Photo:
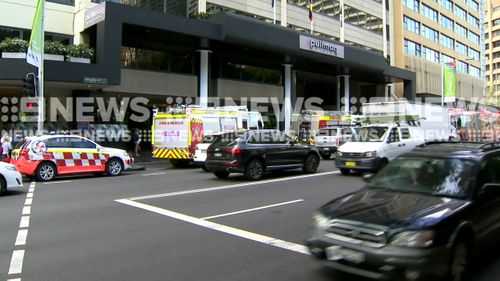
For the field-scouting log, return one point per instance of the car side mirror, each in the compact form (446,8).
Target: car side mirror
(490,190)
(367,177)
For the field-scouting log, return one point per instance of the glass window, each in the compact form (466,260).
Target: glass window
(429,13)
(473,5)
(405,133)
(462,67)
(412,48)
(473,37)
(411,4)
(81,143)
(447,42)
(137,58)
(473,20)
(473,54)
(431,55)
(460,30)
(447,4)
(58,143)
(460,13)
(362,19)
(411,25)
(446,22)
(474,71)
(430,33)
(446,58)
(394,135)
(461,48)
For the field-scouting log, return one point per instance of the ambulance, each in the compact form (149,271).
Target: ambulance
(177,132)
(47,156)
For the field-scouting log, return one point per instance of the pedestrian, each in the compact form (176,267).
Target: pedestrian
(136,138)
(5,149)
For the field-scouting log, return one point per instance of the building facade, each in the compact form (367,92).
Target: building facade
(205,52)
(492,46)
(434,32)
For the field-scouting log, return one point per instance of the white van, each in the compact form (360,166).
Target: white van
(375,145)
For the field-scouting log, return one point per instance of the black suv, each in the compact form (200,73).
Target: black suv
(427,213)
(257,151)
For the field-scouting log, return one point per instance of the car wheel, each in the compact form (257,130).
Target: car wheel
(326,156)
(311,163)
(3,186)
(459,261)
(114,167)
(345,172)
(254,169)
(221,174)
(46,171)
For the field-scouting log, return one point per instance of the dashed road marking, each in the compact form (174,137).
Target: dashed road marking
(22,234)
(16,262)
(56,182)
(153,174)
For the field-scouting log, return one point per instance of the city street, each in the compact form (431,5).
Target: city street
(173,224)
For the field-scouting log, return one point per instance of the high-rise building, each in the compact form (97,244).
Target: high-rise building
(435,32)
(492,47)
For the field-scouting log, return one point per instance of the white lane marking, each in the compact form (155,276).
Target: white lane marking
(28,201)
(29,195)
(25,222)
(16,262)
(153,174)
(253,209)
(17,279)
(220,227)
(56,182)
(22,234)
(26,210)
(177,193)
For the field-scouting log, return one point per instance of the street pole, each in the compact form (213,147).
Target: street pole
(41,76)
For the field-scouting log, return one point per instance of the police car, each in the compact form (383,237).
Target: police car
(47,156)
(9,177)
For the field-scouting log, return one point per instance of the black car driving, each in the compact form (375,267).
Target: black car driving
(255,152)
(426,214)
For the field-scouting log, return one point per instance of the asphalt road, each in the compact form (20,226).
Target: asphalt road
(172,224)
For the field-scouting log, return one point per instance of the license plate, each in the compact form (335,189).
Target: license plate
(350,164)
(336,253)
(217,154)
(326,148)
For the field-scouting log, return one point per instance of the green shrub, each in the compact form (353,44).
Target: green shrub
(15,45)
(54,48)
(80,51)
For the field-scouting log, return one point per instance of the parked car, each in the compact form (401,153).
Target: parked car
(9,177)
(328,139)
(257,151)
(375,145)
(200,153)
(426,214)
(47,156)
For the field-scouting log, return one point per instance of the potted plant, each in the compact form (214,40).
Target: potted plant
(13,48)
(81,53)
(54,50)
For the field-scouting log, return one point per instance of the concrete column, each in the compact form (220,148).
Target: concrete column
(202,6)
(339,89)
(283,13)
(287,101)
(341,3)
(203,78)
(347,95)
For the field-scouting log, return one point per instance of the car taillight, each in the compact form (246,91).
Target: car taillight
(234,151)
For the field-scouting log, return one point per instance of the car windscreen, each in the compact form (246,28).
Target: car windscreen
(371,134)
(432,176)
(208,139)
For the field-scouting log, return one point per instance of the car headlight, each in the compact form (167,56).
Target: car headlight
(125,154)
(339,153)
(321,221)
(414,239)
(370,154)
(11,168)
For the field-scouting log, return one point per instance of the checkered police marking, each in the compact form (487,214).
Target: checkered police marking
(77,159)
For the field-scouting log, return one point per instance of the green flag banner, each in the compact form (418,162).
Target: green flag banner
(34,56)
(449,82)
